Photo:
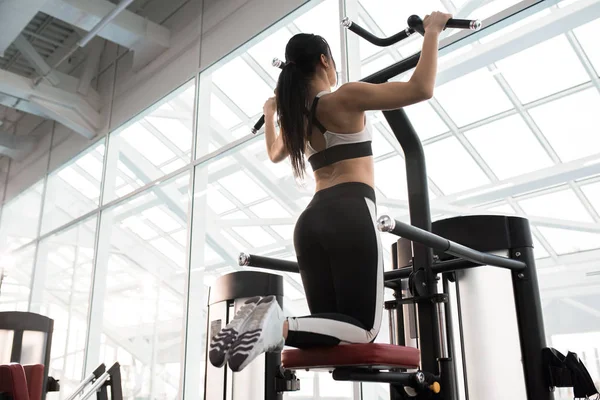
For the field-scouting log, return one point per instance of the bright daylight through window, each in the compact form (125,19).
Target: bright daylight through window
(121,244)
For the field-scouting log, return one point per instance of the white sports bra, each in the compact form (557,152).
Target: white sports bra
(338,146)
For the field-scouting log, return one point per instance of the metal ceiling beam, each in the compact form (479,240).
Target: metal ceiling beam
(147,39)
(36,60)
(14,17)
(16,147)
(92,63)
(77,112)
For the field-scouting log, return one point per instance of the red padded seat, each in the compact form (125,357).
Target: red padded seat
(13,381)
(35,380)
(352,355)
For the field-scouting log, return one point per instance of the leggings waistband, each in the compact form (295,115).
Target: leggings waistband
(347,189)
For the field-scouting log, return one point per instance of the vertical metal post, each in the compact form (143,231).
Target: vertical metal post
(351,64)
(98,287)
(397,326)
(38,278)
(195,290)
(272,365)
(531,322)
(71,306)
(35,287)
(418,199)
(448,366)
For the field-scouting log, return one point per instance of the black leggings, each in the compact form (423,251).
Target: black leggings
(341,263)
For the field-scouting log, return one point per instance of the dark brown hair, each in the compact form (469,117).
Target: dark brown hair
(303,54)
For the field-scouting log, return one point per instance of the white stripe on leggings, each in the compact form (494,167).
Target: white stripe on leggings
(346,332)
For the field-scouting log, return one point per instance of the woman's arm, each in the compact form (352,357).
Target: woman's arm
(275,146)
(361,96)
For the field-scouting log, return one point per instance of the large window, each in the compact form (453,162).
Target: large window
(16,270)
(61,290)
(138,303)
(233,92)
(20,219)
(152,145)
(74,189)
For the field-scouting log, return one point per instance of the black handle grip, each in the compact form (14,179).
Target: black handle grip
(377,41)
(471,24)
(415,22)
(279,64)
(258,124)
(252,260)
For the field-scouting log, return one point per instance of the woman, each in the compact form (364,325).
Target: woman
(336,240)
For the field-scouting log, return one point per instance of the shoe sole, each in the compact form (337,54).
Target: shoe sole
(222,342)
(250,343)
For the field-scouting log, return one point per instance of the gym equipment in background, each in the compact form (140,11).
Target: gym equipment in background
(101,379)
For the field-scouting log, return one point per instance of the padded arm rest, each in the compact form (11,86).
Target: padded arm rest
(13,380)
(35,380)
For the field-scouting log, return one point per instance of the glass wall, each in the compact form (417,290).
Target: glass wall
(61,288)
(152,145)
(226,110)
(139,290)
(20,219)
(74,189)
(121,244)
(17,271)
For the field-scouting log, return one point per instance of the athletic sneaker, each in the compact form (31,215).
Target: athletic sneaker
(262,332)
(221,342)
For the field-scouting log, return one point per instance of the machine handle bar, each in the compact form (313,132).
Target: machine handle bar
(386,223)
(415,24)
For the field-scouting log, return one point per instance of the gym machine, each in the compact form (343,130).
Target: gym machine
(100,380)
(474,273)
(27,339)
(264,378)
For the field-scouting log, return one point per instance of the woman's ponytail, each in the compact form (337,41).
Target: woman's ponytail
(292,95)
(303,54)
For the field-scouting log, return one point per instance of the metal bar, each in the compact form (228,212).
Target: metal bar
(530,320)
(250,260)
(396,315)
(96,386)
(377,41)
(81,386)
(104,21)
(420,217)
(363,375)
(35,59)
(400,273)
(448,366)
(387,224)
(116,389)
(410,62)
(43,38)
(454,265)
